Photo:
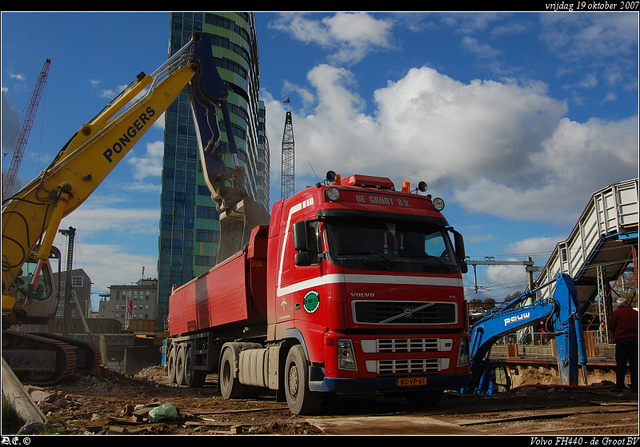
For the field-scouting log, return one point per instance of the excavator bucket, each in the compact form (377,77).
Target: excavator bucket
(236,225)
(239,212)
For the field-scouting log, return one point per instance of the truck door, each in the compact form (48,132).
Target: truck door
(301,286)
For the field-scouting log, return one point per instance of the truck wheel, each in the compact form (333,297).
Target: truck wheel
(193,378)
(171,365)
(296,384)
(180,364)
(230,386)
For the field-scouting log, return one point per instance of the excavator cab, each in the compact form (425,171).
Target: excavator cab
(28,301)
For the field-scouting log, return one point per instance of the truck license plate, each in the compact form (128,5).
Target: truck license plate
(412,381)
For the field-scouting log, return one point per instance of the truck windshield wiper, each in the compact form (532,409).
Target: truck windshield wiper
(427,256)
(370,253)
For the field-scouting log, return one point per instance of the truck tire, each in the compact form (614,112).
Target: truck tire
(171,365)
(180,364)
(193,378)
(230,386)
(296,384)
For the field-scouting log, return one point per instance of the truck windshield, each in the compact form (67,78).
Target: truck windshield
(365,243)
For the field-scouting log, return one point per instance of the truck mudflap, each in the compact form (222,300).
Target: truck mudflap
(402,384)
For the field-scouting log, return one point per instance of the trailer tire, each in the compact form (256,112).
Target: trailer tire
(296,384)
(171,365)
(230,386)
(193,378)
(180,364)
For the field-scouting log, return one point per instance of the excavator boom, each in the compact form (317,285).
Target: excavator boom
(31,217)
(239,212)
(563,313)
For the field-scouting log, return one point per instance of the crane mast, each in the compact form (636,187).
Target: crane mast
(23,135)
(288,156)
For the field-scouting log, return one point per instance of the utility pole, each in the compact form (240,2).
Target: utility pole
(288,168)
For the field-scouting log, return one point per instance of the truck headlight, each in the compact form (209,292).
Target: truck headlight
(346,357)
(463,352)
(332,194)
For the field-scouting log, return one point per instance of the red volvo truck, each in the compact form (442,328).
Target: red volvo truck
(352,287)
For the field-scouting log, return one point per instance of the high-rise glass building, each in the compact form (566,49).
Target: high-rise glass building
(189,225)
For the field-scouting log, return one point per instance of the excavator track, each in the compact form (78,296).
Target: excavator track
(38,360)
(45,359)
(88,356)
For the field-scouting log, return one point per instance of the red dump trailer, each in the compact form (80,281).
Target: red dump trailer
(352,288)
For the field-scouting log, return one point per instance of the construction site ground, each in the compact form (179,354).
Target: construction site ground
(112,403)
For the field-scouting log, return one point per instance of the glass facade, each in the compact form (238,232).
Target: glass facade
(189,226)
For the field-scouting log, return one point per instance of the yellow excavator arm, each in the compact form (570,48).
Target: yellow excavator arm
(83,163)
(31,217)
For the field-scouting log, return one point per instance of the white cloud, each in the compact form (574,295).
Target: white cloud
(351,36)
(507,275)
(483,51)
(98,217)
(596,35)
(533,246)
(113,264)
(501,148)
(149,165)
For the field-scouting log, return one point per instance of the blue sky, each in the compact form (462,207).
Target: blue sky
(515,119)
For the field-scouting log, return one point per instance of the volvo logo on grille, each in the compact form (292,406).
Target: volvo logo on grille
(408,312)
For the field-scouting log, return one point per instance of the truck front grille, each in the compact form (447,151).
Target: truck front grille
(405,366)
(408,345)
(404,312)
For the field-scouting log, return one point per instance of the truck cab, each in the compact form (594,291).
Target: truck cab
(366,279)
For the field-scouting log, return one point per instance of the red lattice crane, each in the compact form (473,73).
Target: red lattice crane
(19,140)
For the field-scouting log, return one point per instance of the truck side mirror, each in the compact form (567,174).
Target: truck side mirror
(303,258)
(305,244)
(300,236)
(460,251)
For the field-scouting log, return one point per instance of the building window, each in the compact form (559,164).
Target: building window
(205,260)
(207,212)
(76,281)
(207,236)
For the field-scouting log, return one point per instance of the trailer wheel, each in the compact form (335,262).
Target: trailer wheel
(296,384)
(230,386)
(180,364)
(193,378)
(171,365)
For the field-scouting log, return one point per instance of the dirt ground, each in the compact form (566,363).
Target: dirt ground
(112,403)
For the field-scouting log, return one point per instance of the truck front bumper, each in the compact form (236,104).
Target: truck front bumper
(388,384)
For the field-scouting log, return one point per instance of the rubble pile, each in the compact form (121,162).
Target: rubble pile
(111,403)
